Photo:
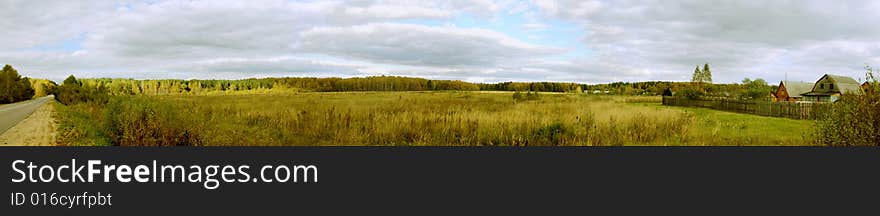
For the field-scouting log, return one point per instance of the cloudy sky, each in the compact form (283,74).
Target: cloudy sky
(479,40)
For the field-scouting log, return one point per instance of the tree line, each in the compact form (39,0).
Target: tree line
(392,83)
(532,86)
(377,83)
(172,86)
(701,86)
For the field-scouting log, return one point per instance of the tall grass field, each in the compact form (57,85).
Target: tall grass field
(414,118)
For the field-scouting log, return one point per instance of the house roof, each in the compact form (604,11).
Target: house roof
(843,83)
(795,89)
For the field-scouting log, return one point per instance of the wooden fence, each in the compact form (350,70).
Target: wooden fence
(774,109)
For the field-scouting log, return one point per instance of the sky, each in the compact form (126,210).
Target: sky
(588,41)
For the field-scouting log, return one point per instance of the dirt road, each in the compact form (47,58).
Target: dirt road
(28,123)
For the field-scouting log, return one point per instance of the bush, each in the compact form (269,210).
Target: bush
(692,92)
(72,92)
(138,121)
(551,134)
(517,96)
(853,120)
(534,96)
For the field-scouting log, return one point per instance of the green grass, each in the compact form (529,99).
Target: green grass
(415,118)
(713,127)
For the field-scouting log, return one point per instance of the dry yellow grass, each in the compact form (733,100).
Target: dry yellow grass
(404,118)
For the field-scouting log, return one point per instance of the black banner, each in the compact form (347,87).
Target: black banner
(441,180)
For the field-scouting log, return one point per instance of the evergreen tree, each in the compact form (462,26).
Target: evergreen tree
(707,74)
(698,75)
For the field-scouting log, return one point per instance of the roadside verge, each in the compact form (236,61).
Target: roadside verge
(38,129)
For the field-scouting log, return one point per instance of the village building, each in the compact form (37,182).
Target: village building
(792,91)
(829,88)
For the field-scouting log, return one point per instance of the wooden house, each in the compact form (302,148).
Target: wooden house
(829,88)
(792,91)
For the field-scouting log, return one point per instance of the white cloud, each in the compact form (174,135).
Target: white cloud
(569,8)
(395,12)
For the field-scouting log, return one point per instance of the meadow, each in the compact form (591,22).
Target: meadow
(420,118)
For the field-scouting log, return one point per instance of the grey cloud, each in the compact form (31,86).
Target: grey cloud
(197,29)
(282,65)
(141,37)
(419,45)
(28,24)
(627,40)
(249,29)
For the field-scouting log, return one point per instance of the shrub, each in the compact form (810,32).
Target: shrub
(853,120)
(72,92)
(144,121)
(693,92)
(534,96)
(551,134)
(517,96)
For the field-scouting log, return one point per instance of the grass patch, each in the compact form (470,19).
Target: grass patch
(714,127)
(79,125)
